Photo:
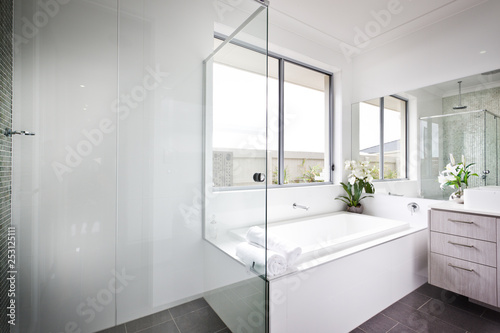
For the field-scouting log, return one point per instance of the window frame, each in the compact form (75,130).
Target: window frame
(281,111)
(381,141)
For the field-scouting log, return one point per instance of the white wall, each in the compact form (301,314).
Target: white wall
(159,153)
(112,217)
(64,184)
(441,52)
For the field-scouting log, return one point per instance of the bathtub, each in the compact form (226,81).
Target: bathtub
(352,267)
(327,234)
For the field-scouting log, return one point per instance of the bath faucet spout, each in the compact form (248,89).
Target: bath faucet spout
(295,206)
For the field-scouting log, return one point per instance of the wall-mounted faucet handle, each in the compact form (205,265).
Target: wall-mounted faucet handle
(413,207)
(295,206)
(8,132)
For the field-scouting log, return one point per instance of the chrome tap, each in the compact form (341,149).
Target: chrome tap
(295,206)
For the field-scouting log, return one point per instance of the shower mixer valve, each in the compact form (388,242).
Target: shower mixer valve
(8,132)
(413,207)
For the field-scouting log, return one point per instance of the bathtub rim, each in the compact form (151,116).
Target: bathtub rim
(231,240)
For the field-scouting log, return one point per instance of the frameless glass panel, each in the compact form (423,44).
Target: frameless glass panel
(369,134)
(430,158)
(306,125)
(471,134)
(489,173)
(235,150)
(394,138)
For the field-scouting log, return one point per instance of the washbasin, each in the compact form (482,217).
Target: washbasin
(483,198)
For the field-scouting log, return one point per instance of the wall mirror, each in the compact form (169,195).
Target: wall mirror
(411,134)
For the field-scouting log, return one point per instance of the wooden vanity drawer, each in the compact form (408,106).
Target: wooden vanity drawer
(472,280)
(478,251)
(467,225)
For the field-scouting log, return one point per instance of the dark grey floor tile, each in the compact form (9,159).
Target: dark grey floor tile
(449,297)
(204,320)
(417,320)
(116,329)
(437,293)
(459,318)
(185,308)
(357,330)
(415,300)
(246,289)
(256,302)
(225,330)
(463,303)
(492,315)
(378,323)
(168,327)
(148,321)
(400,328)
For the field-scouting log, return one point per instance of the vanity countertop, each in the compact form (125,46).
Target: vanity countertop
(453,206)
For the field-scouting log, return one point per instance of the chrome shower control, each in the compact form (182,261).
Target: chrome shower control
(8,132)
(413,207)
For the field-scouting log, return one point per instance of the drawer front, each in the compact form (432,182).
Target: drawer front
(467,225)
(477,251)
(472,280)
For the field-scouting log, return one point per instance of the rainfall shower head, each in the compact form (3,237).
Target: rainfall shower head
(459,106)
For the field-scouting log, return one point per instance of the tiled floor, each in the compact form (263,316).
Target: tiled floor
(434,310)
(192,317)
(427,309)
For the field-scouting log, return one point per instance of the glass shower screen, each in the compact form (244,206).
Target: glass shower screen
(235,170)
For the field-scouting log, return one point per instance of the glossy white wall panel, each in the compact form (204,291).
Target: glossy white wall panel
(396,207)
(160,165)
(65,177)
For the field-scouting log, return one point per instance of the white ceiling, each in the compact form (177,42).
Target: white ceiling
(337,21)
(469,84)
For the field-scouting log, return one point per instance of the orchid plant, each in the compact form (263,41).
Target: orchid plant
(359,179)
(456,175)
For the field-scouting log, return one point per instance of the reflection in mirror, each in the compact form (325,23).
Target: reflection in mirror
(381,132)
(437,127)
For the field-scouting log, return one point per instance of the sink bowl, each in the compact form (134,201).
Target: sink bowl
(483,198)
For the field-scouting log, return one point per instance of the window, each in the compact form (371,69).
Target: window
(298,121)
(383,136)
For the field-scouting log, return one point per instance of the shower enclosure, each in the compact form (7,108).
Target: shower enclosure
(473,134)
(109,196)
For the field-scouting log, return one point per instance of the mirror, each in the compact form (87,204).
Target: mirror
(442,119)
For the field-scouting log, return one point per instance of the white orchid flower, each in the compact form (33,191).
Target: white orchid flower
(450,178)
(452,159)
(352,180)
(442,179)
(463,160)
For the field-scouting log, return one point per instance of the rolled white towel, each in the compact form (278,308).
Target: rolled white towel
(255,256)
(290,251)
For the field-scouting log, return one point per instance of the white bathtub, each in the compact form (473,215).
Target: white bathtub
(353,266)
(336,231)
(330,233)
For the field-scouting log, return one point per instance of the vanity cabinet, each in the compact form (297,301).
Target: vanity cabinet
(463,254)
